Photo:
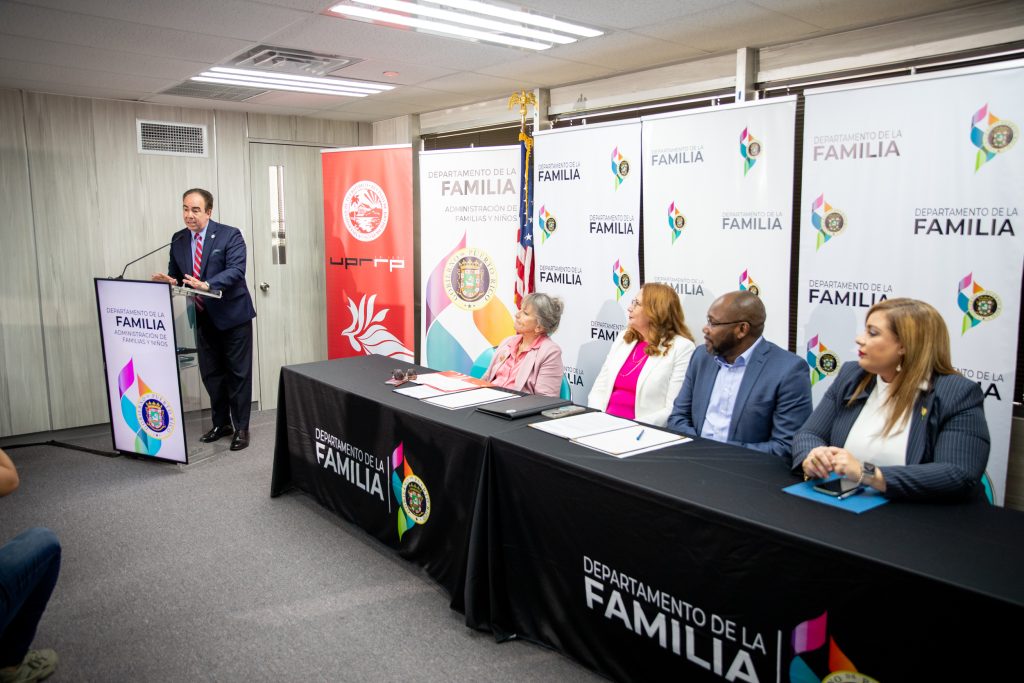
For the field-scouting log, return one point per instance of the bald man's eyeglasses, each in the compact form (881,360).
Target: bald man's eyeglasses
(714,323)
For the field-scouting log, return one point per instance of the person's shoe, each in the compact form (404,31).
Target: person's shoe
(37,665)
(241,440)
(216,433)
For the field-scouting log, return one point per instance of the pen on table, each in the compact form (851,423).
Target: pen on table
(640,435)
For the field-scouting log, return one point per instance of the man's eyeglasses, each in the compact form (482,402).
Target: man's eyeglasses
(715,323)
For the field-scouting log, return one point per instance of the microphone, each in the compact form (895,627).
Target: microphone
(173,240)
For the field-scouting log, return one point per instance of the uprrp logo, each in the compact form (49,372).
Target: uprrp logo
(548,224)
(365,210)
(991,135)
(812,635)
(747,284)
(621,280)
(410,492)
(978,304)
(470,278)
(676,221)
(368,332)
(822,360)
(620,167)
(827,220)
(750,149)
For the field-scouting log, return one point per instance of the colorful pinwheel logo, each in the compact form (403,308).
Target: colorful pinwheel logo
(977,303)
(991,135)
(676,221)
(548,224)
(410,492)
(828,221)
(747,284)
(621,279)
(620,167)
(811,635)
(449,340)
(148,414)
(750,149)
(822,361)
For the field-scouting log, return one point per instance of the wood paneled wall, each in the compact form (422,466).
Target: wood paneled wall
(80,202)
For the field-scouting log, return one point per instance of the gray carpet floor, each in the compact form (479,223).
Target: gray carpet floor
(193,573)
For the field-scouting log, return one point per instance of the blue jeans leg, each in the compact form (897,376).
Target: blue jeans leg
(29,565)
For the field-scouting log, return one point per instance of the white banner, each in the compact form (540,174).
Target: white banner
(718,206)
(137,331)
(914,189)
(586,238)
(469,211)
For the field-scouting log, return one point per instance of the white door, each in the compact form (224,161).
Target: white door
(286,183)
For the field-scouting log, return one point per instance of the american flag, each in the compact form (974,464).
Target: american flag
(524,249)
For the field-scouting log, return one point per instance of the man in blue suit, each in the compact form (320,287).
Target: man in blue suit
(210,256)
(740,388)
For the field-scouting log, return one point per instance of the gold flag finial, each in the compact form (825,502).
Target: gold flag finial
(523,99)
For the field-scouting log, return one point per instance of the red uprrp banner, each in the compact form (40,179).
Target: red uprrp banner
(368,247)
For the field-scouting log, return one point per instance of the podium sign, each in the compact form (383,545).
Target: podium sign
(141,368)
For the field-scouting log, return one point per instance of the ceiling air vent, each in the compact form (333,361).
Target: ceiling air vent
(174,139)
(213,91)
(287,60)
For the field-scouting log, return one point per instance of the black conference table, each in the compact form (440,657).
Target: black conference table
(341,434)
(688,562)
(691,563)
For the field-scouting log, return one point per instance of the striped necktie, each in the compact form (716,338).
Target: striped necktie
(196,263)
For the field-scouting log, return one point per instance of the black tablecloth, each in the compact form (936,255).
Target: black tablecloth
(692,562)
(339,429)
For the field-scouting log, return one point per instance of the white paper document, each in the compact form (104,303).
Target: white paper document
(444,383)
(584,424)
(464,399)
(420,391)
(623,443)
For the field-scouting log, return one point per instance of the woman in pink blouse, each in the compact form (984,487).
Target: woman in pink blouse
(646,365)
(528,360)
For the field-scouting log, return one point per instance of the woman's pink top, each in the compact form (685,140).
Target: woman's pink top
(507,371)
(622,402)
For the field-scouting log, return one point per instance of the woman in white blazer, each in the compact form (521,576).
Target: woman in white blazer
(645,367)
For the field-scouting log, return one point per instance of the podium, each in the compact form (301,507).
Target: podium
(154,393)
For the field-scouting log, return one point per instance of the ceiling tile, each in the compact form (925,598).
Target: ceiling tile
(230,18)
(409,73)
(616,15)
(20,48)
(469,82)
(46,73)
(77,29)
(843,14)
(625,51)
(545,71)
(730,26)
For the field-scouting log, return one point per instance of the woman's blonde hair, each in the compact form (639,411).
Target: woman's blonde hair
(922,332)
(661,304)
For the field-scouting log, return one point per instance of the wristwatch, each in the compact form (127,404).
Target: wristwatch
(867,472)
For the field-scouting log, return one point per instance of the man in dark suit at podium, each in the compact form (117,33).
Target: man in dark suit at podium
(210,256)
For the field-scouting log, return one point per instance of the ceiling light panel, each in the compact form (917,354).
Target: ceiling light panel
(468,20)
(263,80)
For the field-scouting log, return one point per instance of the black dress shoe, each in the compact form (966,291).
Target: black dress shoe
(241,440)
(216,433)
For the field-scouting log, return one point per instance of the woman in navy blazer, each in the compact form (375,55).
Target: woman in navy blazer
(902,390)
